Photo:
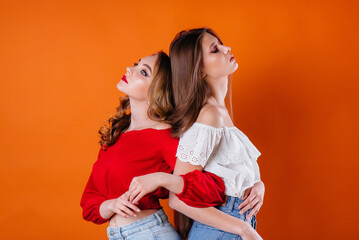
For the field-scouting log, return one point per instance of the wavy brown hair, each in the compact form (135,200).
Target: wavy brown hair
(160,107)
(190,90)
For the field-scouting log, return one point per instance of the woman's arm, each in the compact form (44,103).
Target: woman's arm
(210,216)
(207,190)
(142,185)
(196,188)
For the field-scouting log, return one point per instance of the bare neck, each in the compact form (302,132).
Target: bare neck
(219,91)
(139,116)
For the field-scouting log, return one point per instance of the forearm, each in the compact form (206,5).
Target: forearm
(210,216)
(173,183)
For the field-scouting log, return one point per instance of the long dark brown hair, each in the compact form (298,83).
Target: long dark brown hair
(190,90)
(160,107)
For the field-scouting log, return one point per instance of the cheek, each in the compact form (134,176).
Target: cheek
(216,66)
(138,89)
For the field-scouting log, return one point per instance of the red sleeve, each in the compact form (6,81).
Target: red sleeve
(202,189)
(91,201)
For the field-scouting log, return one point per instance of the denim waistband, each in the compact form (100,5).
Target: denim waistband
(157,218)
(232,203)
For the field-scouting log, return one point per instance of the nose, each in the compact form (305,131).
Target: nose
(128,69)
(225,49)
(228,50)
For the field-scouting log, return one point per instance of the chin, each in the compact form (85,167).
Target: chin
(119,86)
(235,66)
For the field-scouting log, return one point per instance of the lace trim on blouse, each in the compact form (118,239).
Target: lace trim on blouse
(226,152)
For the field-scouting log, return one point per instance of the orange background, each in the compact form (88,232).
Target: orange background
(295,97)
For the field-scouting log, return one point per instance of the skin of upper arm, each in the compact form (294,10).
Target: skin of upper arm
(211,116)
(185,167)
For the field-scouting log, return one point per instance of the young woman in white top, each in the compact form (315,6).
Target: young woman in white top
(209,141)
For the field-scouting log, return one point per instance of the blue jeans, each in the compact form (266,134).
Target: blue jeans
(202,231)
(154,226)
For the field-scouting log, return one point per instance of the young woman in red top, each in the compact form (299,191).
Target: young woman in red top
(138,142)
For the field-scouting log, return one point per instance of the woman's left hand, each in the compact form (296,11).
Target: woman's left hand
(142,185)
(253,198)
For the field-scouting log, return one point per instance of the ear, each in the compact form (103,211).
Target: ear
(203,75)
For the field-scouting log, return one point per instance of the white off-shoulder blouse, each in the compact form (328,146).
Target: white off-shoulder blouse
(225,151)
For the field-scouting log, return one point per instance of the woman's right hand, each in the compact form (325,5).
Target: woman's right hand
(123,206)
(248,233)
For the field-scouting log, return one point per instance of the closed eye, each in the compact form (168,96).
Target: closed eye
(215,50)
(214,47)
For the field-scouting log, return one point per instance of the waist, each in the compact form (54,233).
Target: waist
(153,218)
(231,207)
(120,221)
(235,181)
(231,202)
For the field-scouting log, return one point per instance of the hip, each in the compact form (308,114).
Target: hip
(230,207)
(154,226)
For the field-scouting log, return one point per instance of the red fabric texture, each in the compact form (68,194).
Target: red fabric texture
(202,189)
(137,153)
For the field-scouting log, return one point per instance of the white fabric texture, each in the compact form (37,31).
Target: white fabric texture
(225,151)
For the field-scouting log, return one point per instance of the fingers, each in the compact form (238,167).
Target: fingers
(138,197)
(121,210)
(255,210)
(244,203)
(125,200)
(249,204)
(135,183)
(133,194)
(125,208)
(132,206)
(127,211)
(126,195)
(246,193)
(132,186)
(248,199)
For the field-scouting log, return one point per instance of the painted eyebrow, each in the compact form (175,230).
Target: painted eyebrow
(146,66)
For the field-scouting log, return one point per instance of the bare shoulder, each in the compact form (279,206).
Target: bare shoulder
(210,115)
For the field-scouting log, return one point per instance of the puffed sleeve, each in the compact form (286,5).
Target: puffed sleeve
(202,189)
(197,144)
(91,200)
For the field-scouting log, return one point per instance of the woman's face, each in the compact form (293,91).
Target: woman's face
(138,78)
(218,62)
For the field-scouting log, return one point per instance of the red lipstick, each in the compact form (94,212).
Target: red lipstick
(124,79)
